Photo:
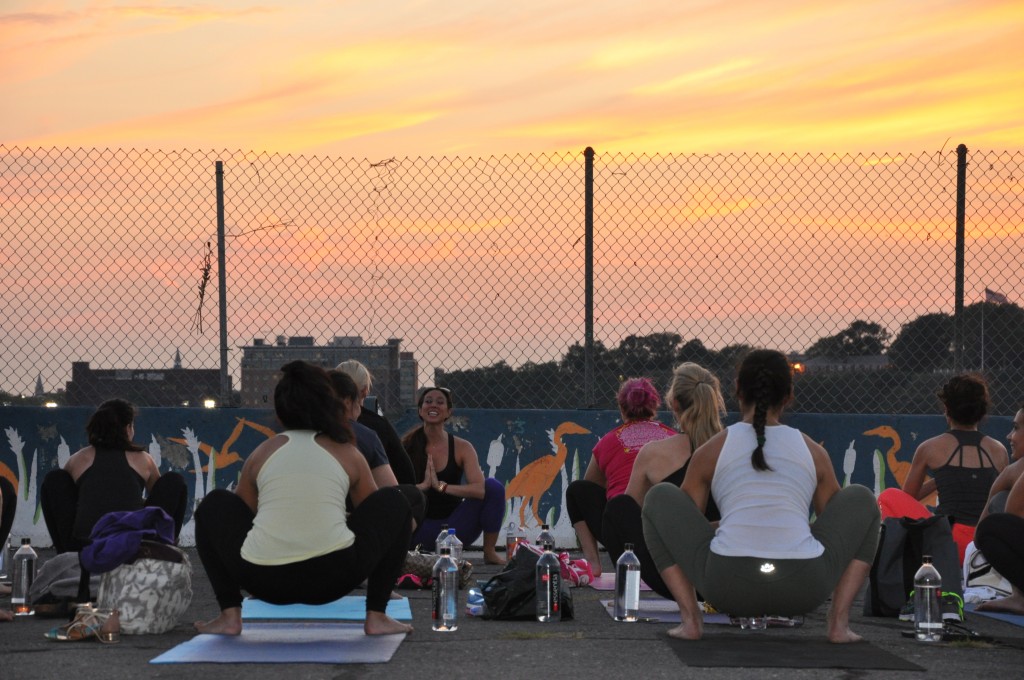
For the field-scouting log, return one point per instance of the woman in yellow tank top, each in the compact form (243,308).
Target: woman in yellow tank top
(283,535)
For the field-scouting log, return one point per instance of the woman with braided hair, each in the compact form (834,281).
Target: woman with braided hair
(765,557)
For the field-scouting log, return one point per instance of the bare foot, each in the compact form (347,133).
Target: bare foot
(594,560)
(1014,604)
(492,557)
(6,615)
(228,623)
(843,636)
(688,630)
(839,627)
(379,623)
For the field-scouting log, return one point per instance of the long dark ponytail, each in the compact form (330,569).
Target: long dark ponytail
(764,380)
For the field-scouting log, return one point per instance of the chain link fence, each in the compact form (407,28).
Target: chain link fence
(475,270)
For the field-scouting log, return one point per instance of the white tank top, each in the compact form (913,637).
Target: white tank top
(765,513)
(300,510)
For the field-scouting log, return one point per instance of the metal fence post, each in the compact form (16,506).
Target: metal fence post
(225,386)
(588,342)
(961,202)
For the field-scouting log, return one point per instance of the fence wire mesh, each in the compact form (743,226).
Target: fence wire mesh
(111,280)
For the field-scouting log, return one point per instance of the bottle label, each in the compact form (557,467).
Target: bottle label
(632,590)
(438,600)
(551,584)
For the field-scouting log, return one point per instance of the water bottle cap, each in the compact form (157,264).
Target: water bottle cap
(26,540)
(451,532)
(629,547)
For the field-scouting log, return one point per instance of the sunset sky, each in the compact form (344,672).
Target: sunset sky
(389,78)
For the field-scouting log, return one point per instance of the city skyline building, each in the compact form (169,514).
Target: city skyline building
(143,386)
(394,372)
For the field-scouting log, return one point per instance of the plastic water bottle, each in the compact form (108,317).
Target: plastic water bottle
(445,613)
(441,538)
(4,560)
(455,545)
(511,539)
(545,539)
(927,605)
(627,586)
(549,587)
(24,575)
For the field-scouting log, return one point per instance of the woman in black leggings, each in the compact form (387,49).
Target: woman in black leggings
(108,475)
(283,535)
(999,538)
(8,504)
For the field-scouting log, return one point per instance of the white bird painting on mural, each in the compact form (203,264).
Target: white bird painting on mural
(188,531)
(63,453)
(495,452)
(154,450)
(28,473)
(849,464)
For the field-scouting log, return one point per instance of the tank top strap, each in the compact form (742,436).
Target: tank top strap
(968,438)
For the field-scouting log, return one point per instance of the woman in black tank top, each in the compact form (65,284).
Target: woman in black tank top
(960,465)
(449,475)
(109,475)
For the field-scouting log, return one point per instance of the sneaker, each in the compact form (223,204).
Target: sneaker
(907,610)
(952,607)
(951,604)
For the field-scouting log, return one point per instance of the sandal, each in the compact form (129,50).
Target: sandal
(89,622)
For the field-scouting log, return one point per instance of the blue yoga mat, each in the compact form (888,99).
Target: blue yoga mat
(1015,619)
(333,643)
(348,608)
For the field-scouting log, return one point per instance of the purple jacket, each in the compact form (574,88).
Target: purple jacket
(116,537)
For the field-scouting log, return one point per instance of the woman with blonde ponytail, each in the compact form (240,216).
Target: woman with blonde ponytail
(696,401)
(764,557)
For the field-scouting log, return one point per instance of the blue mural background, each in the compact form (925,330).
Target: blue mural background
(534,453)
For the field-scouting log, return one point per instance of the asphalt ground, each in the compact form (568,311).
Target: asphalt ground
(591,646)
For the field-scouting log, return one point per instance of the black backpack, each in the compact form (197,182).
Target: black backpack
(512,594)
(902,544)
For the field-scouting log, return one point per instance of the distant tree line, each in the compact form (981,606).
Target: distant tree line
(919,359)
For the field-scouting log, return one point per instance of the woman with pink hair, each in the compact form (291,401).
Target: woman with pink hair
(611,464)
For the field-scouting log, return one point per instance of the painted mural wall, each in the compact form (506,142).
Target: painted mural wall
(536,454)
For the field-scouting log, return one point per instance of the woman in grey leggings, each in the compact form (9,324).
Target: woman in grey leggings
(765,556)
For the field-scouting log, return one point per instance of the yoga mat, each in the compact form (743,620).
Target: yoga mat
(1015,619)
(764,650)
(287,643)
(348,608)
(665,611)
(607,582)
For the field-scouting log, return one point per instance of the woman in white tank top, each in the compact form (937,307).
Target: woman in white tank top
(764,557)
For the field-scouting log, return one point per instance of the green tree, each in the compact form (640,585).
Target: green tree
(640,355)
(575,358)
(993,336)
(695,351)
(924,344)
(860,338)
(728,359)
